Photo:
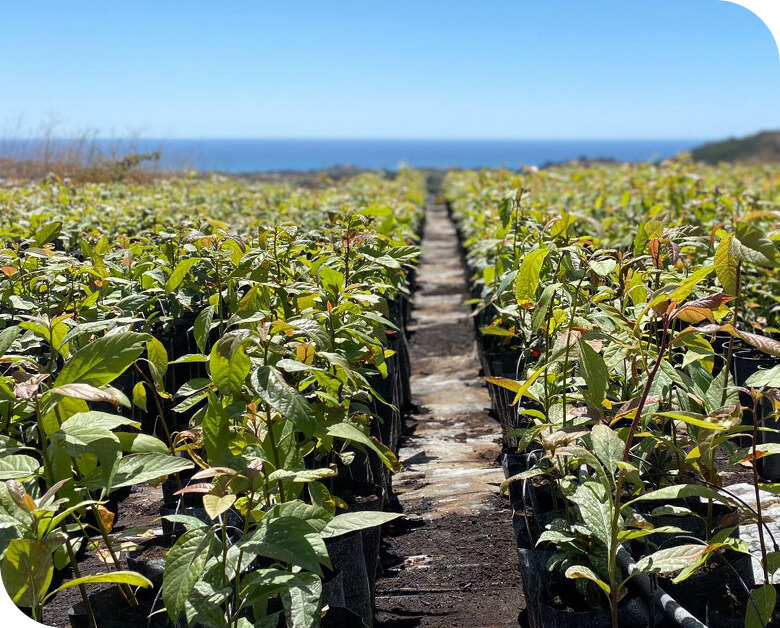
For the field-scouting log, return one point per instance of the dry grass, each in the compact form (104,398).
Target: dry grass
(81,157)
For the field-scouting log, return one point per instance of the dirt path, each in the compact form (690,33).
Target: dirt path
(451,561)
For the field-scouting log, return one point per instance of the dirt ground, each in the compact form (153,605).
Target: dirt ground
(139,509)
(452,560)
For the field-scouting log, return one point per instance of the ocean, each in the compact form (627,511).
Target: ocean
(264,155)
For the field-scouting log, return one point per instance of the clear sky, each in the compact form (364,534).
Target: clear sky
(514,69)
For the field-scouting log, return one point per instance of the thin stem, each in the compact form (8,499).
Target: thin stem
(637,417)
(754,466)
(734,321)
(82,589)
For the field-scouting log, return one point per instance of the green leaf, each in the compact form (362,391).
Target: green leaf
(680,491)
(215,505)
(603,267)
(753,246)
(543,306)
(351,521)
(95,420)
(47,233)
(202,327)
(139,395)
(693,418)
(216,432)
(186,520)
(765,598)
(229,363)
(607,446)
(594,371)
(301,601)
(138,468)
(205,605)
(283,539)
(291,404)
(102,360)
(504,382)
(581,571)
(302,475)
(184,565)
(527,281)
(651,230)
(686,287)
(7,337)
(769,378)
(131,578)
(191,358)
(672,559)
(158,357)
(180,272)
(16,467)
(27,569)
(351,433)
(496,331)
(135,443)
(596,513)
(726,265)
(332,280)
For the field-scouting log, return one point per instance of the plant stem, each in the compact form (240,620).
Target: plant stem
(82,589)
(734,321)
(637,417)
(754,466)
(274,449)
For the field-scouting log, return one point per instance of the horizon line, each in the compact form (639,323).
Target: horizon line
(362,139)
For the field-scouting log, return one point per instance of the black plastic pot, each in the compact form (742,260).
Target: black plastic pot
(340,617)
(346,555)
(528,527)
(540,583)
(718,619)
(745,363)
(720,615)
(372,537)
(694,592)
(112,611)
(694,524)
(333,589)
(152,569)
(768,466)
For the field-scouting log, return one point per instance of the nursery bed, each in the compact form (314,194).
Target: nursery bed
(450,561)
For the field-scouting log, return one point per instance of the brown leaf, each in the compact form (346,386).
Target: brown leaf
(106,519)
(27,385)
(202,487)
(85,392)
(763,343)
(712,301)
(673,251)
(213,472)
(655,251)
(633,404)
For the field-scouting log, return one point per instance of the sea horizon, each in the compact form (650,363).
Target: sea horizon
(247,155)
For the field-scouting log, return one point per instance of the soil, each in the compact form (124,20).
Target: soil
(452,560)
(140,508)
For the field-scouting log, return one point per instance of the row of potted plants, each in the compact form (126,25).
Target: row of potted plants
(241,344)
(625,317)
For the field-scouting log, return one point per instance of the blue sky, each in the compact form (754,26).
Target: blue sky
(534,69)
